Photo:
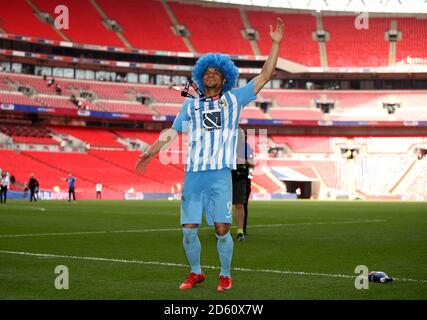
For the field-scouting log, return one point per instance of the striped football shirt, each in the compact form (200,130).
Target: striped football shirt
(212,129)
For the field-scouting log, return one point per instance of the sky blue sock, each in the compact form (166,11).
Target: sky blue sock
(192,248)
(225,251)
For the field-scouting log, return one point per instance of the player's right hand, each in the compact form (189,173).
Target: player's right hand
(141,164)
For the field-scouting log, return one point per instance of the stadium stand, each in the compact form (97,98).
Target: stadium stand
(89,169)
(17,98)
(4,84)
(295,114)
(394,145)
(252,113)
(28,134)
(149,137)
(298,44)
(290,98)
(168,174)
(112,91)
(86,25)
(167,110)
(145,25)
(333,173)
(380,165)
(17,17)
(96,138)
(34,140)
(287,104)
(29,81)
(62,102)
(223,25)
(145,136)
(21,166)
(114,168)
(305,144)
(263,182)
(119,95)
(412,48)
(348,46)
(161,93)
(418,188)
(376,174)
(122,106)
(344,98)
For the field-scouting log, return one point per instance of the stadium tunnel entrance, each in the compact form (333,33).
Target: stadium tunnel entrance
(301,188)
(304,184)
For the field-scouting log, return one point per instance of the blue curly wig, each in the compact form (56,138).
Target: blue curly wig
(217,61)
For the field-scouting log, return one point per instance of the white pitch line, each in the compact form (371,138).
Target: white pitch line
(173,264)
(28,207)
(179,229)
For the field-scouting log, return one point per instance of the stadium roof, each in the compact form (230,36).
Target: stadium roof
(374,6)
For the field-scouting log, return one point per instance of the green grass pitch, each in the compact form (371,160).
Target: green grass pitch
(133,250)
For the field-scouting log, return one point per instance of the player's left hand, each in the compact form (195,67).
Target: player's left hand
(277,35)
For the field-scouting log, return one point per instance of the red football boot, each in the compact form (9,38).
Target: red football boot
(225,283)
(191,280)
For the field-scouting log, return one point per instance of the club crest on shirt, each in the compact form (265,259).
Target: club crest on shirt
(211,119)
(223,103)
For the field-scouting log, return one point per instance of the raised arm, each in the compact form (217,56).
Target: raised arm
(165,138)
(270,64)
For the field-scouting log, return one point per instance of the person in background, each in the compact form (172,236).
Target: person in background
(5,182)
(238,176)
(248,194)
(71,187)
(240,184)
(33,185)
(98,189)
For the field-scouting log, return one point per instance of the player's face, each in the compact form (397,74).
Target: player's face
(212,78)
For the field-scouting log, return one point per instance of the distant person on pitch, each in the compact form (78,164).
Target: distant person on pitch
(71,187)
(33,185)
(5,182)
(98,189)
(212,121)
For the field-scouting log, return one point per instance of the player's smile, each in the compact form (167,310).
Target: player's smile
(212,78)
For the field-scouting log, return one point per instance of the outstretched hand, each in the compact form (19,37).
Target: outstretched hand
(142,163)
(277,35)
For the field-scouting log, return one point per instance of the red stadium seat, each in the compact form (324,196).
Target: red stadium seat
(17,17)
(348,46)
(145,24)
(85,23)
(223,25)
(98,138)
(412,49)
(297,45)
